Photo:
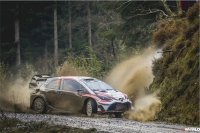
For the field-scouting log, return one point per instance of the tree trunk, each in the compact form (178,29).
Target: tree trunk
(45,47)
(55,38)
(0,49)
(17,39)
(70,27)
(168,10)
(178,7)
(89,26)
(46,58)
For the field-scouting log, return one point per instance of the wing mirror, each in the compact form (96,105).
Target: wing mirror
(80,92)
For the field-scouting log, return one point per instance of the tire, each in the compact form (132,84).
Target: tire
(90,107)
(39,105)
(118,115)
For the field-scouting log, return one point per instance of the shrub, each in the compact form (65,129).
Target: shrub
(168,59)
(190,31)
(159,37)
(190,63)
(179,45)
(27,71)
(174,69)
(193,12)
(188,43)
(157,65)
(163,34)
(82,65)
(196,49)
(3,75)
(161,25)
(68,69)
(185,76)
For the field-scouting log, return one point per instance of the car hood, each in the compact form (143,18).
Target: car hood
(112,94)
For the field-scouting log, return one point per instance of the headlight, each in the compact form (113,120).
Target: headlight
(103,97)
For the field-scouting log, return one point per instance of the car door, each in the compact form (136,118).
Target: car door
(70,98)
(51,92)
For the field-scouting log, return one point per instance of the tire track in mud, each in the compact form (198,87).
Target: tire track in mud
(110,125)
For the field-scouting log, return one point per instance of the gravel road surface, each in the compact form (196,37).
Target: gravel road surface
(110,125)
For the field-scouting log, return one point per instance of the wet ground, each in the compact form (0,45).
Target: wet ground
(101,124)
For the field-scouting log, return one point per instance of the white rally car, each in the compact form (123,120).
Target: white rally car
(76,94)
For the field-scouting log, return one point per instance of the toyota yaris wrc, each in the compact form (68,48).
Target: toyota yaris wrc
(76,94)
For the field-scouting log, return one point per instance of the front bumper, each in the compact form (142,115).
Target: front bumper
(114,107)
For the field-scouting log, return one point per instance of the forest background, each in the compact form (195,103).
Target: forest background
(45,34)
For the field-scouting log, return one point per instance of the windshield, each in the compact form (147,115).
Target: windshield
(96,85)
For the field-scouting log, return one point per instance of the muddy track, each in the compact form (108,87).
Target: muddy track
(110,125)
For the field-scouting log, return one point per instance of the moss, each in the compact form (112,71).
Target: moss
(190,63)
(179,45)
(195,49)
(191,30)
(179,38)
(179,85)
(168,59)
(188,43)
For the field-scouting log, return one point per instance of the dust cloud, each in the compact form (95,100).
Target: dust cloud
(16,97)
(133,77)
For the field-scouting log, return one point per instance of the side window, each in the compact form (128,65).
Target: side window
(54,84)
(71,85)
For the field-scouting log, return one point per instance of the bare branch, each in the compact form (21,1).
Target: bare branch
(168,10)
(126,5)
(123,4)
(149,12)
(138,7)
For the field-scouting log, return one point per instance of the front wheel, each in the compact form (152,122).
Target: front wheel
(39,105)
(90,107)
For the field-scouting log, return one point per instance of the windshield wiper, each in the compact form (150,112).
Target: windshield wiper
(102,91)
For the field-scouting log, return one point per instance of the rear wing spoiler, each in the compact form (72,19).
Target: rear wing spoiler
(38,80)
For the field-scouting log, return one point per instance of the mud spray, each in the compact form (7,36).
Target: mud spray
(133,77)
(16,97)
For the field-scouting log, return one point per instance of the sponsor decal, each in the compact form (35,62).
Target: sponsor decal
(93,96)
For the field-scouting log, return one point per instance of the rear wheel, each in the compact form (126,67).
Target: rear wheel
(118,115)
(90,107)
(39,105)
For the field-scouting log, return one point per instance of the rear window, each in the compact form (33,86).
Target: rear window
(54,84)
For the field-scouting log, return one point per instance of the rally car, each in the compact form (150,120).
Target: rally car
(76,94)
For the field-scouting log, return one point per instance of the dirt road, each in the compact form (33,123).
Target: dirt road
(111,125)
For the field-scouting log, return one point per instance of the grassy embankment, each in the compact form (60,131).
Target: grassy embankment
(177,72)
